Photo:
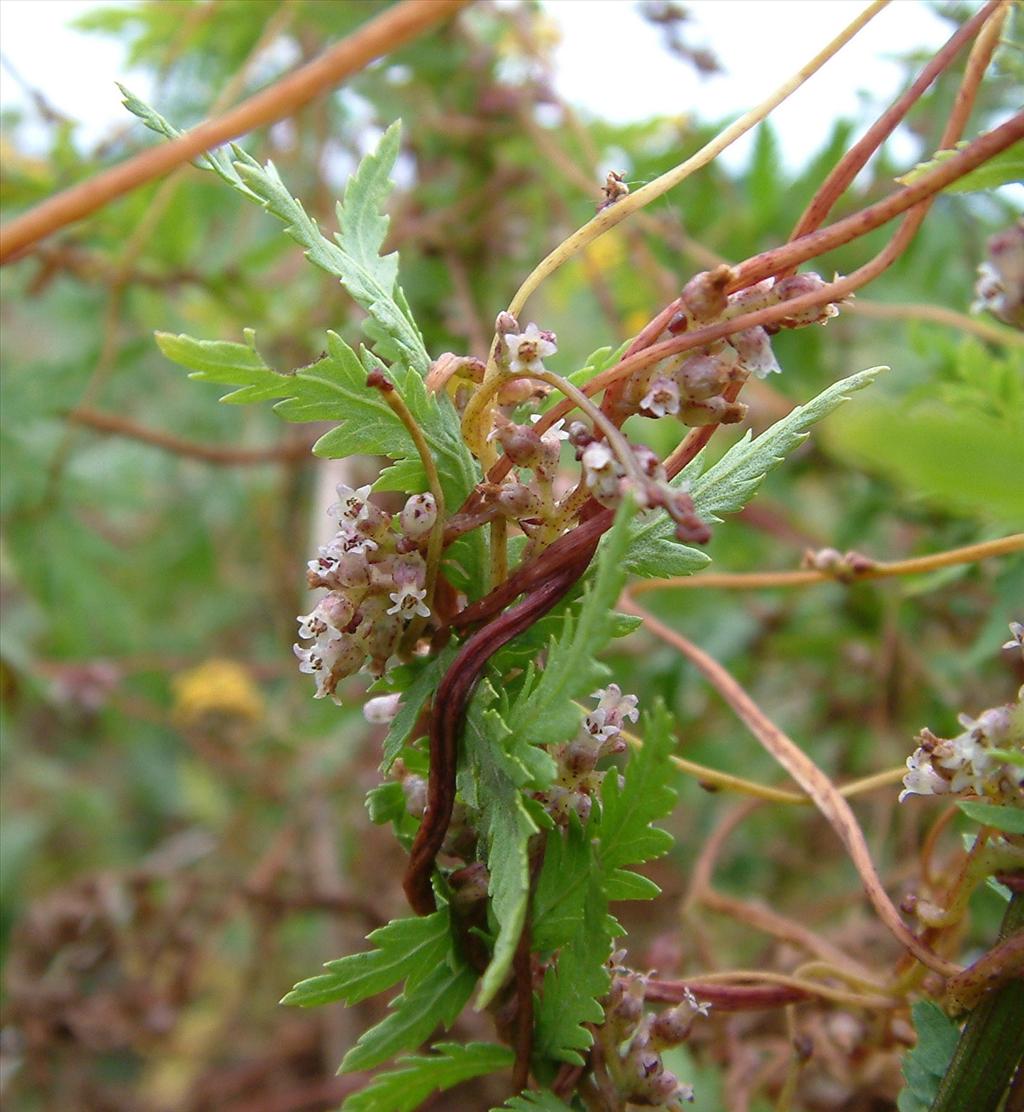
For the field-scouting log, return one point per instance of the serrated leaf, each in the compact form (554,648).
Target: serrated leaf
(728,485)
(543,708)
(334,389)
(386,803)
(534,1100)
(414,699)
(561,892)
(1005,168)
(405,949)
(1008,819)
(412,1017)
(413,1079)
(490,783)
(627,811)
(621,884)
(924,1066)
(354,257)
(573,987)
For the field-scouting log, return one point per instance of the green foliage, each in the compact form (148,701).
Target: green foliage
(1005,168)
(334,389)
(405,949)
(438,998)
(925,1065)
(585,869)
(573,986)
(534,1100)
(1008,818)
(414,698)
(494,772)
(355,257)
(413,1079)
(543,707)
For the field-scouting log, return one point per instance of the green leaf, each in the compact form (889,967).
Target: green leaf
(573,986)
(414,698)
(437,998)
(565,877)
(413,1079)
(543,709)
(534,1100)
(490,783)
(334,389)
(625,831)
(728,485)
(1008,819)
(1005,168)
(924,1066)
(355,257)
(928,447)
(408,949)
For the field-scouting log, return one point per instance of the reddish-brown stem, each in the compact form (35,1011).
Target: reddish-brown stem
(446,718)
(726,998)
(853,161)
(189,449)
(379,36)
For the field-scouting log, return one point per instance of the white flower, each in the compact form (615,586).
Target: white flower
(599,726)
(662,398)
(598,459)
(755,352)
(328,661)
(350,503)
(700,1007)
(922,779)
(382,709)
(617,706)
(553,436)
(1016,637)
(527,349)
(333,612)
(408,601)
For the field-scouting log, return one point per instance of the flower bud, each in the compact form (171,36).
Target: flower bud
(702,376)
(418,515)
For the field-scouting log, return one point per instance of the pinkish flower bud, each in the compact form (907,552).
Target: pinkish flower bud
(418,515)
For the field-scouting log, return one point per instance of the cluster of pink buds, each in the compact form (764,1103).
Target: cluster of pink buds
(982,760)
(632,1040)
(692,387)
(375,578)
(600,735)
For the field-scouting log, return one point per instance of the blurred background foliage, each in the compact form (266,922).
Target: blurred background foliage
(183,826)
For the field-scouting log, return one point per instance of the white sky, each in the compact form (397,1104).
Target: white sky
(610,62)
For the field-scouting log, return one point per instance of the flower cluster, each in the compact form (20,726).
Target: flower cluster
(600,735)
(375,577)
(632,1040)
(692,387)
(979,761)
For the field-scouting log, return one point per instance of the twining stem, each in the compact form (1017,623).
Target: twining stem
(843,173)
(475,423)
(726,780)
(807,986)
(377,37)
(991,1044)
(435,542)
(614,214)
(807,774)
(752,581)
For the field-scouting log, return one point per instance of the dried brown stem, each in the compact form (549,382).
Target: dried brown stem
(188,449)
(807,774)
(379,36)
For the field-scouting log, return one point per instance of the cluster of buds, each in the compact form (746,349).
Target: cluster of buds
(982,760)
(692,387)
(375,578)
(600,735)
(632,1040)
